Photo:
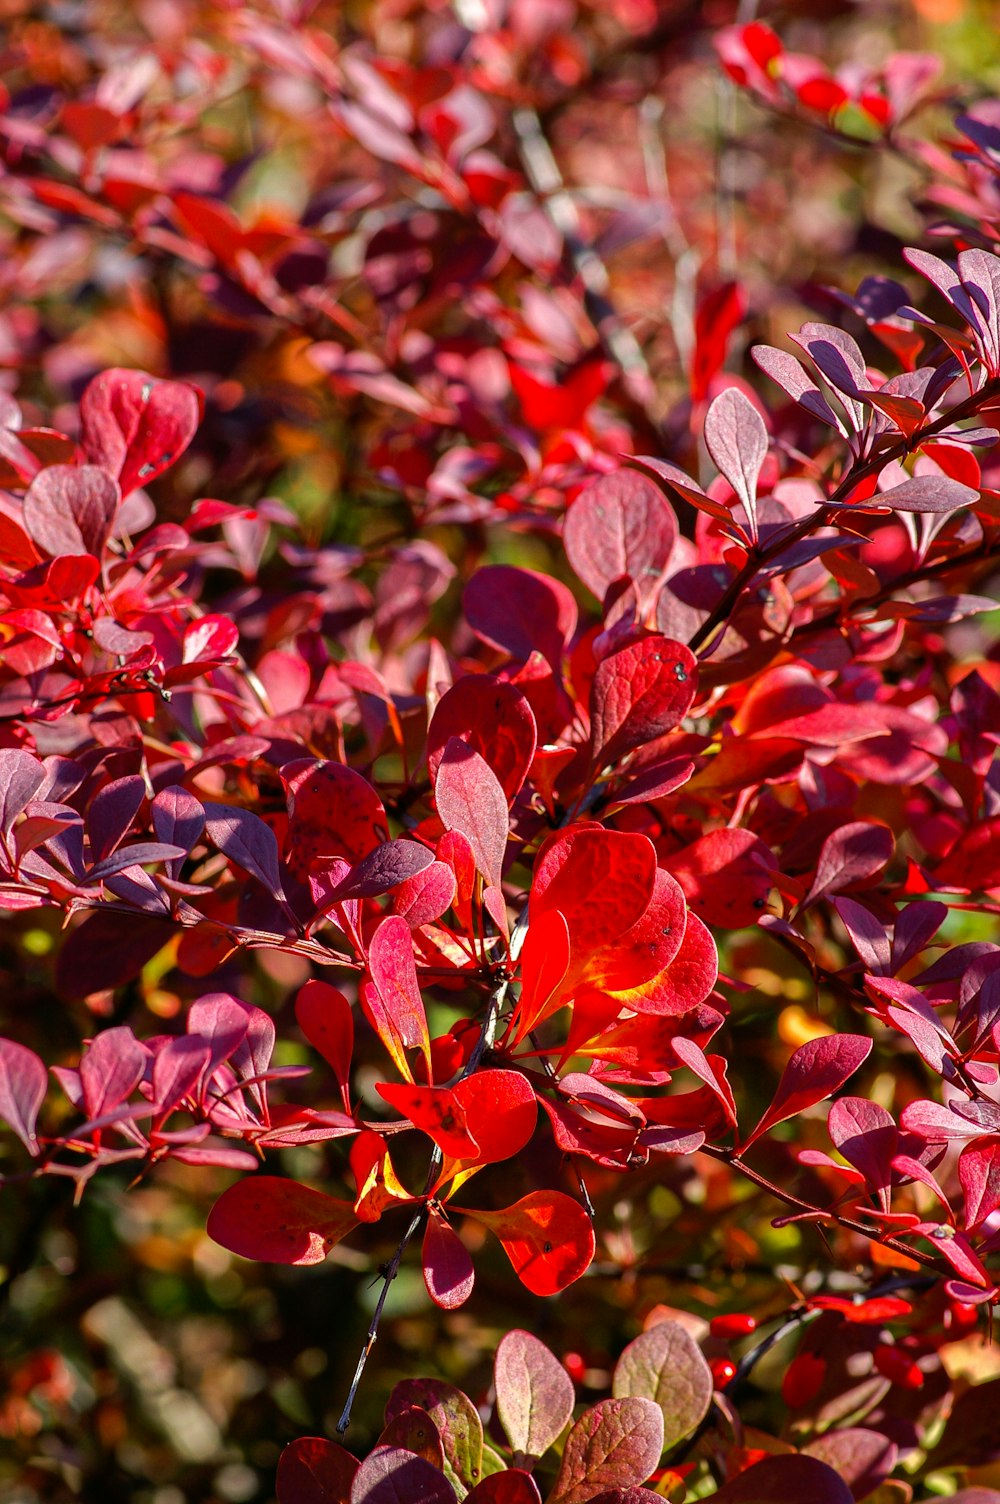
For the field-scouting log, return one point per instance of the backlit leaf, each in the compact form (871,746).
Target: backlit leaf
(279,1221)
(546,1235)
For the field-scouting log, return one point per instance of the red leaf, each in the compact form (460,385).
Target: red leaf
(717,313)
(312,1470)
(436,1111)
(815,1071)
(135,426)
(394,1002)
(448,1271)
(620,527)
(546,1235)
(470,800)
(726,876)
(500,1109)
(325,1018)
(973,863)
(512,1486)
(979,1172)
(638,694)
(70,509)
(495,719)
(544,964)
(333,812)
(279,1221)
(584,861)
(426,896)
(212,637)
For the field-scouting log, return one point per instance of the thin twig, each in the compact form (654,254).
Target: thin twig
(543,174)
(734,1160)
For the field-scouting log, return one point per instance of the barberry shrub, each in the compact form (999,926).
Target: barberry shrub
(614,811)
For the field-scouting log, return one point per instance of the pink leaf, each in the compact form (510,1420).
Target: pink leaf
(470,800)
(535,1394)
(448,1271)
(620,527)
(23,1081)
(70,509)
(135,426)
(736,439)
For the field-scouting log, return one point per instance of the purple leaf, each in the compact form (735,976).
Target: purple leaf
(815,1071)
(791,376)
(470,799)
(178,818)
(23,1081)
(520,611)
(70,509)
(615,1444)
(21,776)
(925,493)
(244,838)
(793,1480)
(390,1475)
(851,854)
(736,439)
(665,1365)
(535,1394)
(111,812)
(867,1137)
(381,870)
(133,856)
(868,936)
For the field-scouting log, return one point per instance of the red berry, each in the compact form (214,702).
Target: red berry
(722,1371)
(803,1380)
(574,1366)
(736,1324)
(896,1365)
(963,1316)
